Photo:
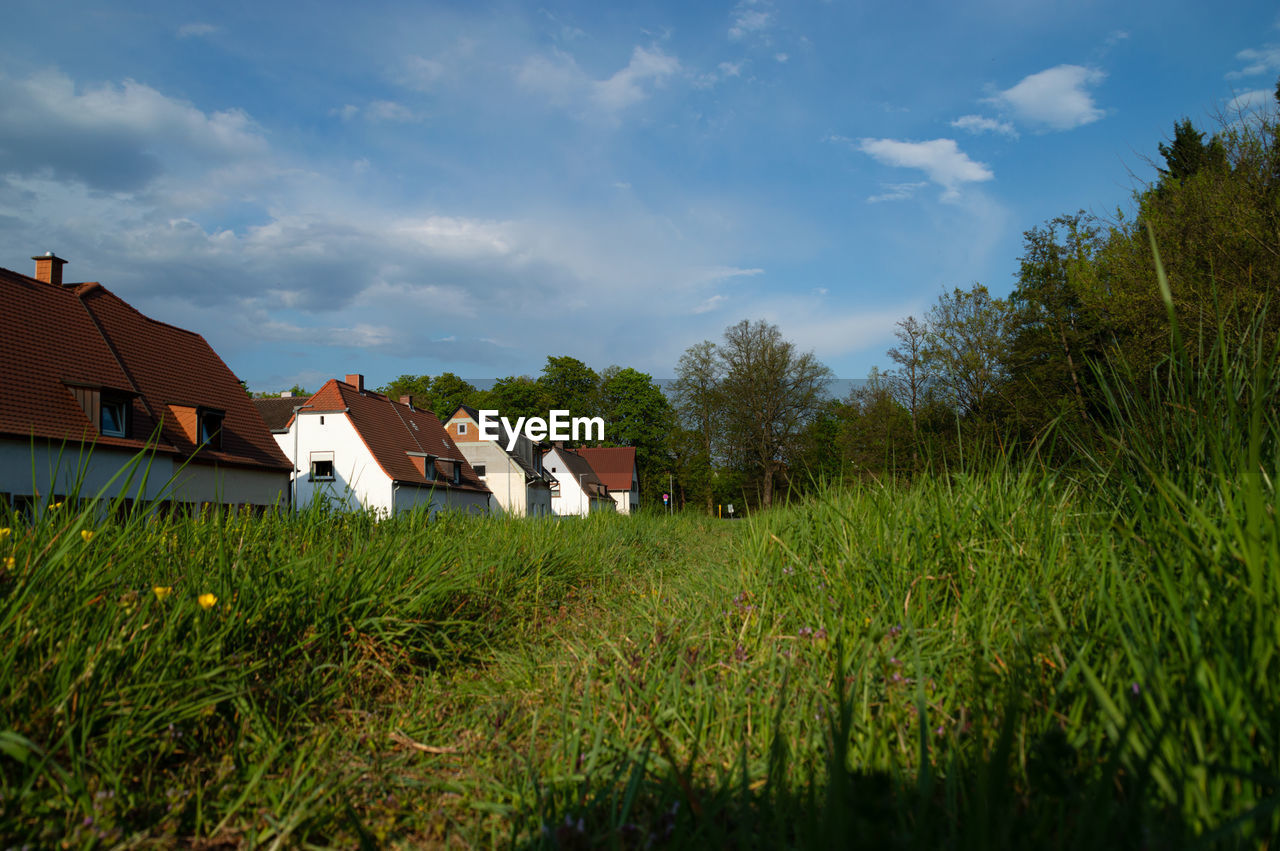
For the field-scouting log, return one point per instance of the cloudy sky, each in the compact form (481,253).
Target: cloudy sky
(323,188)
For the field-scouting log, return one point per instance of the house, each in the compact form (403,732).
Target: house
(358,449)
(578,490)
(88,384)
(616,468)
(516,477)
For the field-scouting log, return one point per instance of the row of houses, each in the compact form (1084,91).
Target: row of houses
(97,398)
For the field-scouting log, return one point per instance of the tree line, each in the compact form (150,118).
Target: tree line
(750,418)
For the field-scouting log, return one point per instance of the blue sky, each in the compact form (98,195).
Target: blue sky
(386,188)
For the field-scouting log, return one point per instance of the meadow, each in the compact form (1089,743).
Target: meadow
(1014,654)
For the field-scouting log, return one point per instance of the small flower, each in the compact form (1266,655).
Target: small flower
(9,562)
(806,631)
(207,601)
(87,535)
(5,532)
(162,591)
(1134,688)
(56,506)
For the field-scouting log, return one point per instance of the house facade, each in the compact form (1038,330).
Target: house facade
(616,468)
(355,448)
(98,399)
(519,484)
(578,490)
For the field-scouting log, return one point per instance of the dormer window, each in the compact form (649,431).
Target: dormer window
(210,428)
(113,418)
(457,472)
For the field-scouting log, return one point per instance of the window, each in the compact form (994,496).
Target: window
(479,468)
(113,418)
(211,429)
(555,488)
(322,471)
(457,472)
(462,428)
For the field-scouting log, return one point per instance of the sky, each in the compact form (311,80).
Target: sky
(325,188)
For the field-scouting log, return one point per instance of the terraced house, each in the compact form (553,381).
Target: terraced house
(355,449)
(96,398)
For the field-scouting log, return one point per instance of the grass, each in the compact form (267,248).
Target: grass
(1005,657)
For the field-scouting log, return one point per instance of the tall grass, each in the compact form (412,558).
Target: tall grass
(1004,657)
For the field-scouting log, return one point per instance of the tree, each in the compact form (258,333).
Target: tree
(967,348)
(769,392)
(417,387)
(1053,330)
(572,386)
(697,395)
(516,396)
(638,414)
(448,391)
(910,383)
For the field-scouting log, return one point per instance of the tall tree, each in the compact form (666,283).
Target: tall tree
(416,386)
(910,382)
(637,413)
(769,391)
(697,395)
(448,391)
(967,348)
(571,385)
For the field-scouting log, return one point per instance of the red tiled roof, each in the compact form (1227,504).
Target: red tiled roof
(54,337)
(580,469)
(615,465)
(391,430)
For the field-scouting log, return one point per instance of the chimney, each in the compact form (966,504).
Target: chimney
(407,401)
(49,268)
(356,380)
(286,394)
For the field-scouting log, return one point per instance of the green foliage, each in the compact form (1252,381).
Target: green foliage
(638,414)
(572,386)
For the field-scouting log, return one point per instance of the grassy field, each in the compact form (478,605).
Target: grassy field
(1009,657)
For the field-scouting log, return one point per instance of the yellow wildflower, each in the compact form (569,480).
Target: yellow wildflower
(9,562)
(4,533)
(162,591)
(87,535)
(56,505)
(207,601)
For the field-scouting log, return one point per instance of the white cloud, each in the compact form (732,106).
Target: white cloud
(1057,98)
(941,160)
(559,78)
(750,17)
(1261,60)
(710,304)
(385,110)
(627,86)
(1250,104)
(112,137)
(781,58)
(896,192)
(197,30)
(981,124)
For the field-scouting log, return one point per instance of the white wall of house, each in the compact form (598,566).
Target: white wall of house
(408,497)
(65,469)
(572,499)
(201,483)
(358,480)
(512,492)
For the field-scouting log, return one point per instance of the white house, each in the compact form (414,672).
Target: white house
(616,468)
(358,449)
(516,477)
(578,490)
(96,398)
